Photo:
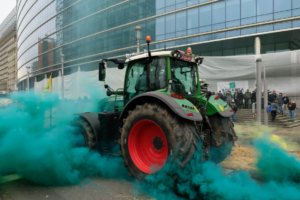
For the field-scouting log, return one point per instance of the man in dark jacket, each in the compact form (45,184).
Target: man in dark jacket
(286,100)
(241,98)
(247,97)
(253,97)
(292,107)
(235,97)
(220,94)
(270,97)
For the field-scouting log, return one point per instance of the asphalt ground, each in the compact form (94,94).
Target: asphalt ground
(97,188)
(242,157)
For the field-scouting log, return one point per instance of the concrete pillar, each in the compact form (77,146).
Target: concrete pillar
(257,47)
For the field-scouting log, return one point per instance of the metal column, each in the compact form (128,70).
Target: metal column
(259,90)
(266,117)
(62,56)
(258,80)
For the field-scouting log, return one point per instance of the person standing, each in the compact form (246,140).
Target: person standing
(292,107)
(262,100)
(274,108)
(286,100)
(253,97)
(235,109)
(274,94)
(220,94)
(228,98)
(240,97)
(235,97)
(270,98)
(280,103)
(247,97)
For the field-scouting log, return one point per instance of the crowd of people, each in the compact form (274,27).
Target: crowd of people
(276,102)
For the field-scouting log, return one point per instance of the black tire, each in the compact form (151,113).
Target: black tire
(180,138)
(224,129)
(219,154)
(84,128)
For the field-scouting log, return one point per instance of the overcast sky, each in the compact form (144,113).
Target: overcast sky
(6,7)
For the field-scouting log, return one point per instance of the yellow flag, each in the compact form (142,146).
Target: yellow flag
(48,88)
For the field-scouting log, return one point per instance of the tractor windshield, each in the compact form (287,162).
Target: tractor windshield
(184,76)
(142,76)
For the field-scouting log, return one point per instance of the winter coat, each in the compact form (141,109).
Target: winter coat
(240,96)
(286,100)
(235,95)
(220,95)
(247,95)
(271,98)
(280,99)
(228,98)
(293,106)
(253,95)
(274,106)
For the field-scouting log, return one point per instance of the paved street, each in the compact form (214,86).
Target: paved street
(97,188)
(242,157)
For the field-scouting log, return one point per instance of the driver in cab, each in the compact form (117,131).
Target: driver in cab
(141,83)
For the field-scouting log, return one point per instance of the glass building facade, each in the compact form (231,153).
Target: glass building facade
(86,31)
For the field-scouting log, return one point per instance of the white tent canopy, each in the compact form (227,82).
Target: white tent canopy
(283,75)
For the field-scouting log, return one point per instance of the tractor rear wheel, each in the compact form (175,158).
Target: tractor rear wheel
(85,129)
(152,136)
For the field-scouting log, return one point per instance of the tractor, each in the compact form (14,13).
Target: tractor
(163,114)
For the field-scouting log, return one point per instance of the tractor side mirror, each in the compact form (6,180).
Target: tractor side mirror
(102,71)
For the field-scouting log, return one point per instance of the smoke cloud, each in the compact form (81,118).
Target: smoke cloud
(48,155)
(277,177)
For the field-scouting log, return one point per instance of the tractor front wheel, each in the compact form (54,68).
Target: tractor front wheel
(82,127)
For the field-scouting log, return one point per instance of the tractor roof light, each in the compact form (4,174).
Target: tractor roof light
(189,50)
(148,39)
(177,96)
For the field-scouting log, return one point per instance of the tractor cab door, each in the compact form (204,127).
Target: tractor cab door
(142,76)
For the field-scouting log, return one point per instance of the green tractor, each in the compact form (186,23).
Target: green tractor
(163,114)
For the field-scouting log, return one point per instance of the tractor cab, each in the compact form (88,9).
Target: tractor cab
(166,71)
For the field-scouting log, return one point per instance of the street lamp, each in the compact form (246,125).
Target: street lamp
(138,34)
(28,70)
(62,58)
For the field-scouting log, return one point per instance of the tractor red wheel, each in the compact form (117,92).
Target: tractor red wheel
(148,146)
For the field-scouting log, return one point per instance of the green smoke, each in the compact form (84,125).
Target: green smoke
(278,174)
(48,155)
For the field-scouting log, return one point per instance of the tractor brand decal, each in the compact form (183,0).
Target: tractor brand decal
(119,98)
(186,58)
(221,108)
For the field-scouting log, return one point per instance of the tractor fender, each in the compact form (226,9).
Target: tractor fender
(216,106)
(157,97)
(92,119)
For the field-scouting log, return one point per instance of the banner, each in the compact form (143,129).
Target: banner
(232,86)
(48,88)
